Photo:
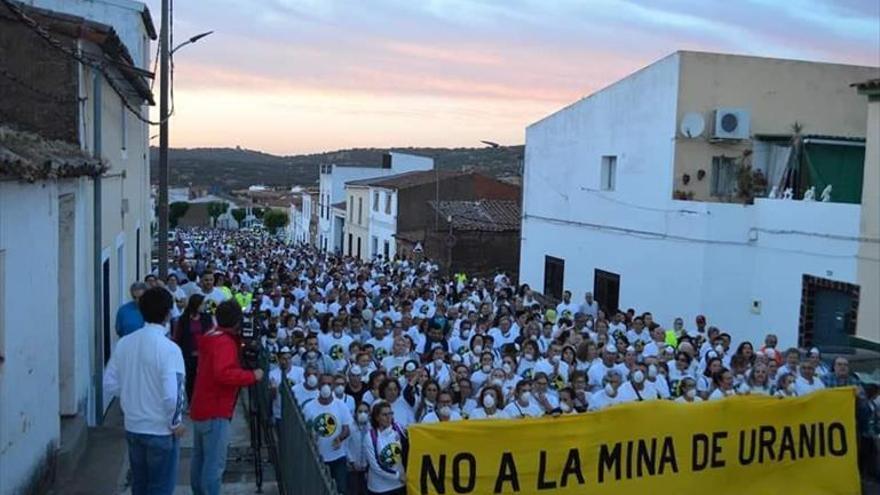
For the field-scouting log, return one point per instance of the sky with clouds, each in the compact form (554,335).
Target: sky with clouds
(297,76)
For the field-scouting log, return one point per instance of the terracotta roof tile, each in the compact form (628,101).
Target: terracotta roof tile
(28,157)
(487,215)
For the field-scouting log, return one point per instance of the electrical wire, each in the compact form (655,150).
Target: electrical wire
(835,237)
(660,236)
(99,67)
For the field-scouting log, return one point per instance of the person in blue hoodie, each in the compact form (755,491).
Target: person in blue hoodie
(128,316)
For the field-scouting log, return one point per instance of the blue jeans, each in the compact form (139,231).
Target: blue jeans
(153,463)
(210,441)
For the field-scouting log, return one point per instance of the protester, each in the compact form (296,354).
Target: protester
(386,453)
(432,349)
(218,380)
(331,422)
(128,316)
(146,371)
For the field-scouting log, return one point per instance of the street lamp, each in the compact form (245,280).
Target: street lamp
(163,134)
(191,41)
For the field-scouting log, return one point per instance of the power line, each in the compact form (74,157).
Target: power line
(99,67)
(819,234)
(660,236)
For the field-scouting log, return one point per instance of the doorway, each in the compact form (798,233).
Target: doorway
(606,290)
(829,309)
(554,274)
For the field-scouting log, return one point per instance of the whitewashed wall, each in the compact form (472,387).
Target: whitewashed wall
(675,258)
(29,419)
(383,225)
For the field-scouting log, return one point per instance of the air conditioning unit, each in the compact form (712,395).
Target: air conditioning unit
(731,123)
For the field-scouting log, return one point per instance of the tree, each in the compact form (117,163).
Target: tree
(175,211)
(238,214)
(215,209)
(258,212)
(275,219)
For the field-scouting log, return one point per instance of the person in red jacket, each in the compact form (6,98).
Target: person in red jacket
(218,379)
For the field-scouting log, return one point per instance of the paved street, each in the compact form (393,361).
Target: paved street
(104,466)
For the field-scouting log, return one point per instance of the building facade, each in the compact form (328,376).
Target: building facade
(331,229)
(602,176)
(868,327)
(52,95)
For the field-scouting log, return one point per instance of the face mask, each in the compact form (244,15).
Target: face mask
(652,371)
(590,324)
(719,349)
(691,393)
(790,388)
(312,355)
(325,391)
(744,388)
(337,335)
(478,349)
(363,417)
(526,396)
(565,407)
(609,390)
(438,362)
(497,382)
(465,334)
(301,350)
(339,390)
(444,411)
(507,368)
(488,401)
(529,356)
(638,376)
(554,359)
(312,381)
(486,368)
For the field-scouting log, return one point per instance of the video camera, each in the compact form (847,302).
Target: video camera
(251,331)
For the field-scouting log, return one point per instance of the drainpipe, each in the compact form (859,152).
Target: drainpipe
(98,378)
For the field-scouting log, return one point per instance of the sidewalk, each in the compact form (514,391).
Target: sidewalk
(104,466)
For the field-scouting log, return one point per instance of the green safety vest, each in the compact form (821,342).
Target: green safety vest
(244,299)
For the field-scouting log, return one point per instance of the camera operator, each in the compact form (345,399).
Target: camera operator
(218,380)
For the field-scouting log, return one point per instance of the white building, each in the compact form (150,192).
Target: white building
(47,252)
(332,191)
(372,223)
(601,174)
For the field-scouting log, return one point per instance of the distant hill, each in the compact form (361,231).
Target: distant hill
(235,168)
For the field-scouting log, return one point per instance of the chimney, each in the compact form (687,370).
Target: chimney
(386,160)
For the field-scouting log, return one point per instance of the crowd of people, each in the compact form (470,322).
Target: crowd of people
(370,348)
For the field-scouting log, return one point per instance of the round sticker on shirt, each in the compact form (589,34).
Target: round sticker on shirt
(527,374)
(381,353)
(424,309)
(557,383)
(336,352)
(390,455)
(325,425)
(395,372)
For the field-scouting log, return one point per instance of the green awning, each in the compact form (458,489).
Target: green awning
(840,164)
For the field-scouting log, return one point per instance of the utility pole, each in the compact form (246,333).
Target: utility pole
(163,143)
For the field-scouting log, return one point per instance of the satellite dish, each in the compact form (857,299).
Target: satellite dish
(692,125)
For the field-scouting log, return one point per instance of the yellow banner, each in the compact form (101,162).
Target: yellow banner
(750,444)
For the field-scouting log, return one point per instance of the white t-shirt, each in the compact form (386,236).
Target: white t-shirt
(515,410)
(385,459)
(480,413)
(803,387)
(303,395)
(146,371)
(215,297)
(335,347)
(326,421)
(432,417)
(294,376)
